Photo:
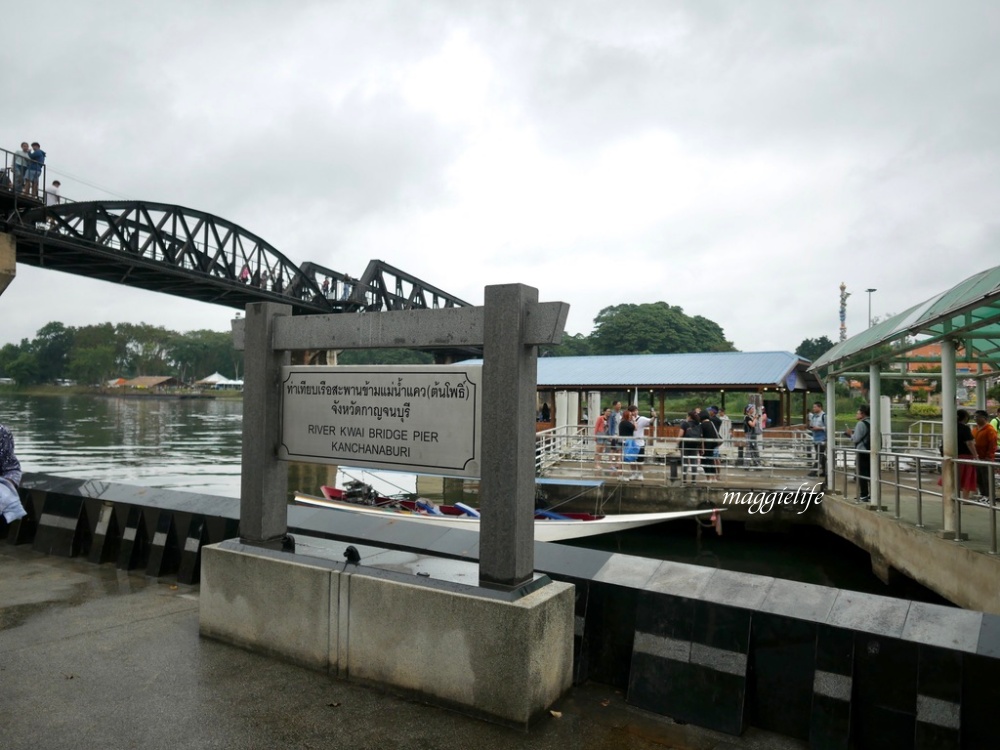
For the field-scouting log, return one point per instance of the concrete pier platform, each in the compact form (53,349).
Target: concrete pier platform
(92,656)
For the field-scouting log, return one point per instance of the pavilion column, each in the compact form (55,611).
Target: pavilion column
(593,409)
(949,433)
(831,428)
(564,415)
(875,439)
(981,383)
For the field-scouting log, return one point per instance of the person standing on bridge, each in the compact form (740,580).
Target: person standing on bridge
(34,171)
(21,159)
(52,195)
(10,478)
(53,198)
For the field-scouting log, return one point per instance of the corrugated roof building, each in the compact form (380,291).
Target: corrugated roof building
(152,381)
(782,374)
(694,371)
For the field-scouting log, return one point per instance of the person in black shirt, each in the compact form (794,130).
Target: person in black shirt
(861,436)
(750,433)
(691,444)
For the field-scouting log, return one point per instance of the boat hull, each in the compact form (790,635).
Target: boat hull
(546,530)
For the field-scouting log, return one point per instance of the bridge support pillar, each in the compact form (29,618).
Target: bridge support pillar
(8,260)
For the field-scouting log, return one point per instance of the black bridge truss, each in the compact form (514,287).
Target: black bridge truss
(192,254)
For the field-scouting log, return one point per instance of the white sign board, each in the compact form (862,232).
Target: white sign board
(417,418)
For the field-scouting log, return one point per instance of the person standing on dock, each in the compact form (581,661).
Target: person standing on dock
(626,432)
(601,436)
(10,478)
(750,432)
(985,437)
(691,445)
(614,421)
(861,436)
(817,423)
(710,445)
(641,425)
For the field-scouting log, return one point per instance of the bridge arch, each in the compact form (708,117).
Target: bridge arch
(190,253)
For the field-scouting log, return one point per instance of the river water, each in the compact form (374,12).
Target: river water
(195,445)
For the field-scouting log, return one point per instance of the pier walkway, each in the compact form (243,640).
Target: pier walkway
(92,656)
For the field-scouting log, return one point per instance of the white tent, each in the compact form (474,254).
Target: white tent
(214,379)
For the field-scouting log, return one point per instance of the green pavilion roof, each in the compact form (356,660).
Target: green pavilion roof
(969,312)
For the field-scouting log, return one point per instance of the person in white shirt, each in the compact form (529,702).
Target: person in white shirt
(52,196)
(641,423)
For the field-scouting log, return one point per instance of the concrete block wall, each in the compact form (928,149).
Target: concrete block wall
(136,528)
(834,668)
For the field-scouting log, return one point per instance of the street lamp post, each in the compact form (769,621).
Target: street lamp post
(870,305)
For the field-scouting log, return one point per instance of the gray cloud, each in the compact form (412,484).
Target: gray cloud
(790,146)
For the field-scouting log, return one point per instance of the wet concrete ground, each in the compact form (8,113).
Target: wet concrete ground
(92,657)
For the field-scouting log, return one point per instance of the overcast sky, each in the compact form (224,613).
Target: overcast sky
(739,160)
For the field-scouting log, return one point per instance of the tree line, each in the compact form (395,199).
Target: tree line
(94,354)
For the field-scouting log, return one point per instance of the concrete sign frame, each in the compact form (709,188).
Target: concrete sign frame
(510,326)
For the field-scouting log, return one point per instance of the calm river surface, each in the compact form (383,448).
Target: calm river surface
(195,445)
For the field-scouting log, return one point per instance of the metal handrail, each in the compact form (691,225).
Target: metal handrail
(899,462)
(585,455)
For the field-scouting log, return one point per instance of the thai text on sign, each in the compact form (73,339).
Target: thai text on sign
(423,419)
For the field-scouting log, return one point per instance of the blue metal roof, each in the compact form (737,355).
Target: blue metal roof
(695,370)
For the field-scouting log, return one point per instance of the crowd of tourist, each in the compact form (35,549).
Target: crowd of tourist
(620,436)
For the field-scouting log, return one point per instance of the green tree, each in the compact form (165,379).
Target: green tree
(576,345)
(25,370)
(146,348)
(92,365)
(813,349)
(52,345)
(385,357)
(101,336)
(9,353)
(197,354)
(654,328)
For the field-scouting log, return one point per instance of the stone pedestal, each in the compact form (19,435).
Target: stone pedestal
(502,656)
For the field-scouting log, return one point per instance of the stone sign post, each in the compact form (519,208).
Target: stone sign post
(509,327)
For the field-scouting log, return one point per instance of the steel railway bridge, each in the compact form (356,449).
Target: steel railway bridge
(192,254)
